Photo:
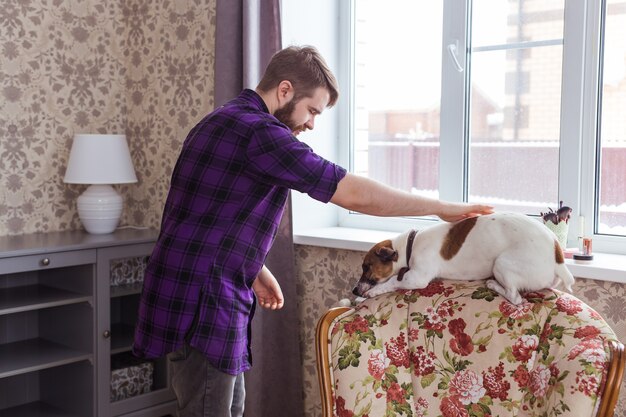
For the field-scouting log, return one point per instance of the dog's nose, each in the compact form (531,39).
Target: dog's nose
(355,291)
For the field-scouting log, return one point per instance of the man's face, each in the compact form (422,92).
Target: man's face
(300,115)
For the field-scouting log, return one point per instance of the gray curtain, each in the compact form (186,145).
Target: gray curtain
(247,35)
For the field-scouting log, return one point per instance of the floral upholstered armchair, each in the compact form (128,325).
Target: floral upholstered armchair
(457,349)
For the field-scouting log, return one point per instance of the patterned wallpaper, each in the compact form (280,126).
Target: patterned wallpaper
(139,67)
(326,275)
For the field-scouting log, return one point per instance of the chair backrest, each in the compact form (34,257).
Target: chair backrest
(458,347)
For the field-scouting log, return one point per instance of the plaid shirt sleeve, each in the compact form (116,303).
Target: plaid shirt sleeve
(276,157)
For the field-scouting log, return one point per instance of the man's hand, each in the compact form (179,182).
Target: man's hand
(452,212)
(268,292)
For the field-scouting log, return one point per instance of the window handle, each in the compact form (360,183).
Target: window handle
(452,49)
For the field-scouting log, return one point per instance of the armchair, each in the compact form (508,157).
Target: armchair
(457,349)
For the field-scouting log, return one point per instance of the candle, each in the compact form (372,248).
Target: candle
(581,226)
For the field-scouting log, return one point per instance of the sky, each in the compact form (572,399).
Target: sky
(406,74)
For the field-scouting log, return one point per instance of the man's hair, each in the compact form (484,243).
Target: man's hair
(305,68)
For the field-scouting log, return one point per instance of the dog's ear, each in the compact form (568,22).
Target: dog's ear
(387,254)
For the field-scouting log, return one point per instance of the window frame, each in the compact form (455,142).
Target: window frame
(330,138)
(578,123)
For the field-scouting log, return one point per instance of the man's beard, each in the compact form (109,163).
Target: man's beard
(284,116)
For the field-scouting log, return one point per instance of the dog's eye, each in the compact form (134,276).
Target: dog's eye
(366,268)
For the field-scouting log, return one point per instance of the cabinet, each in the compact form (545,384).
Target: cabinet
(62,322)
(120,272)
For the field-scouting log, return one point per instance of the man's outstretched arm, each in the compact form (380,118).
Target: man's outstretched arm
(368,196)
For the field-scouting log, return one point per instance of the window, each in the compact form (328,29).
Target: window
(490,101)
(515,97)
(611,172)
(397,93)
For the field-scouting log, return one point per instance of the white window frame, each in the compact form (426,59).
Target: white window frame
(580,93)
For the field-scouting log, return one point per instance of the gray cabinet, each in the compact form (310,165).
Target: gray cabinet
(68,304)
(119,276)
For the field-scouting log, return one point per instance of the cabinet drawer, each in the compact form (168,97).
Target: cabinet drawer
(47,261)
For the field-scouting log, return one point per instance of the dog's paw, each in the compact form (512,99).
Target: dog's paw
(344,302)
(375,291)
(513,296)
(493,285)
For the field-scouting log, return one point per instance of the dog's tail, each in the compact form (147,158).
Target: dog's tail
(565,276)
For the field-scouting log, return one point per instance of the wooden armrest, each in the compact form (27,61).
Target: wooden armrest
(613,379)
(323,359)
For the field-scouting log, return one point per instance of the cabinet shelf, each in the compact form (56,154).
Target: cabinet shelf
(38,408)
(121,337)
(57,307)
(124,290)
(36,354)
(35,297)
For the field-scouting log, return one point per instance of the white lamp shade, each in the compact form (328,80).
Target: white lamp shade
(99,159)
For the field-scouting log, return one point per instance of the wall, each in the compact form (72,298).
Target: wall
(317,23)
(326,275)
(139,67)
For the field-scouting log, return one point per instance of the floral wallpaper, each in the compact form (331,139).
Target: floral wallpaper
(324,276)
(139,67)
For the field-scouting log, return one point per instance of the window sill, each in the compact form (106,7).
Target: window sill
(604,267)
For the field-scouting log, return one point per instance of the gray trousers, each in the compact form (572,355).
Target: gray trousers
(202,390)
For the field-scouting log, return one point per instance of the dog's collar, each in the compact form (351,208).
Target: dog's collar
(409,249)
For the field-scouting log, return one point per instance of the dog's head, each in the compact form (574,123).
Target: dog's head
(378,267)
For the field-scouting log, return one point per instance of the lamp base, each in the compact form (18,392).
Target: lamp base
(99,209)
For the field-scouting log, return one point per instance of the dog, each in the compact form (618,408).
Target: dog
(517,252)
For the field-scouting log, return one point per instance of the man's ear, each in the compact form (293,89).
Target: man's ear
(285,92)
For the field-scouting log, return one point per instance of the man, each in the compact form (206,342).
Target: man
(227,195)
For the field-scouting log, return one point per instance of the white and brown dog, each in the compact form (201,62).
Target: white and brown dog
(518,251)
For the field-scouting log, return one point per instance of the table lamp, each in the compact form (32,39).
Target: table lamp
(100,160)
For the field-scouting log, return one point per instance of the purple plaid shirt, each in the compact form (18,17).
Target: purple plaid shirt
(226,199)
